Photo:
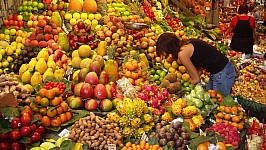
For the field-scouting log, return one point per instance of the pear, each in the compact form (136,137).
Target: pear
(43,54)
(32,63)
(41,66)
(23,68)
(58,74)
(26,76)
(48,72)
(51,63)
(36,79)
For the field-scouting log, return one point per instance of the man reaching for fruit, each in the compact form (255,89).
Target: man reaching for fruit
(196,55)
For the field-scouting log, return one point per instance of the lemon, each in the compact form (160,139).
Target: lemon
(94,22)
(75,53)
(9,59)
(68,16)
(84,51)
(7,37)
(76,15)
(91,16)
(18,50)
(20,45)
(19,39)
(175,64)
(84,16)
(5,64)
(76,62)
(98,16)
(14,47)
(47,145)
(29,87)
(12,32)
(73,21)
(87,22)
(2,36)
(2,51)
(9,51)
(182,69)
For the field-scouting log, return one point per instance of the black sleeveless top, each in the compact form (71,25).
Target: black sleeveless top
(207,57)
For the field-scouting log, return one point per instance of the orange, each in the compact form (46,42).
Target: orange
(220,97)
(43,111)
(51,113)
(139,72)
(236,119)
(182,69)
(218,120)
(234,124)
(63,117)
(42,92)
(38,115)
(234,109)
(69,115)
(128,144)
(134,75)
(227,109)
(132,81)
(65,106)
(222,145)
(44,102)
(56,90)
(147,146)
(221,108)
(38,99)
(220,115)
(50,94)
(142,144)
(55,122)
(128,74)
(59,110)
(54,102)
(46,121)
(240,126)
(202,146)
(207,143)
(227,116)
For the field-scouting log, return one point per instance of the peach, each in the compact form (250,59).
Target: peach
(34,43)
(55,32)
(43,44)
(39,37)
(47,29)
(32,36)
(27,42)
(41,23)
(48,36)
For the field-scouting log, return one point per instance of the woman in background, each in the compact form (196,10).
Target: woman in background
(243,28)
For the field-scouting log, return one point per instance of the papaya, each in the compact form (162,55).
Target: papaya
(90,6)
(75,5)
(111,67)
(101,49)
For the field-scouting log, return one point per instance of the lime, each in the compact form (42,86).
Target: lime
(24,3)
(25,8)
(29,3)
(40,6)
(34,4)
(161,79)
(158,82)
(192,86)
(162,74)
(186,84)
(20,8)
(152,71)
(158,72)
(182,81)
(156,77)
(188,89)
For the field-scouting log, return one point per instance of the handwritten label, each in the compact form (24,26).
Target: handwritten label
(111,147)
(64,133)
(144,137)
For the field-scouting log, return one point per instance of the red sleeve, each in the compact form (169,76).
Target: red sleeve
(252,22)
(233,22)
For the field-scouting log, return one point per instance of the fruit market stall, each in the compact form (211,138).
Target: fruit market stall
(84,74)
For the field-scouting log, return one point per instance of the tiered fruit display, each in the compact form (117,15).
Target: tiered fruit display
(96,131)
(128,116)
(22,131)
(172,135)
(173,22)
(228,131)
(29,7)
(10,35)
(15,21)
(135,71)
(201,99)
(233,115)
(81,35)
(142,145)
(49,105)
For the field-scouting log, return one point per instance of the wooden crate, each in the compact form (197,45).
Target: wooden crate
(8,7)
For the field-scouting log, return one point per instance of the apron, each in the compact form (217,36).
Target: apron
(243,40)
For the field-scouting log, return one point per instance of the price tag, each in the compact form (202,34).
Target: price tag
(212,121)
(111,147)
(144,137)
(64,133)
(201,132)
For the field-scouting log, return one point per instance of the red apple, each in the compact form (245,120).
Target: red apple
(100,91)
(20,23)
(81,25)
(92,78)
(91,105)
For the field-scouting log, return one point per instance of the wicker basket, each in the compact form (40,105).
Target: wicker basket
(8,7)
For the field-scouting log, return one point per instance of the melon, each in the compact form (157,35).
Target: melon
(90,6)
(75,5)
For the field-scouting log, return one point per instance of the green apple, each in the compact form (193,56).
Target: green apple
(29,8)
(20,8)
(7,32)
(25,8)
(29,3)
(40,6)
(25,3)
(34,4)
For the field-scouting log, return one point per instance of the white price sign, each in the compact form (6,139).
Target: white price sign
(64,133)
(111,147)
(144,137)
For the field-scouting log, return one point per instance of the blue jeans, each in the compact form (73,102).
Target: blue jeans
(223,80)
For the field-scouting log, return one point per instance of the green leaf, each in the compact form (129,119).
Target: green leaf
(50,108)
(36,144)
(247,125)
(5,126)
(229,148)
(192,134)
(228,101)
(34,119)
(193,144)
(56,129)
(154,141)
(10,111)
(165,147)
(24,140)
(169,110)
(56,148)
(243,133)
(85,147)
(67,144)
